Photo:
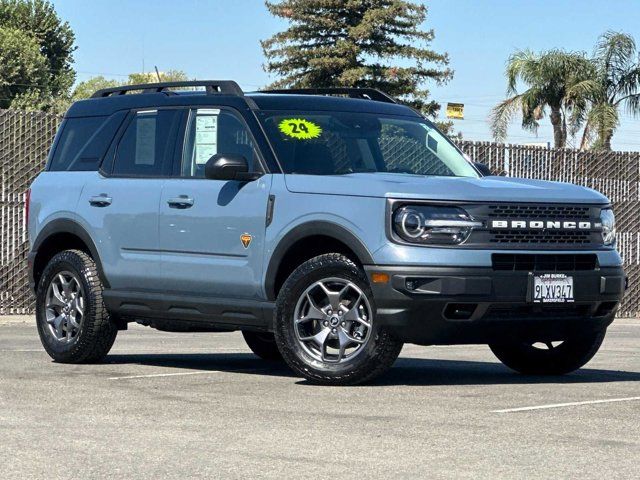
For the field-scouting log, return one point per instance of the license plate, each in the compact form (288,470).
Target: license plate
(552,288)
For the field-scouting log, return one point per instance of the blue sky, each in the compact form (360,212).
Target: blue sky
(220,39)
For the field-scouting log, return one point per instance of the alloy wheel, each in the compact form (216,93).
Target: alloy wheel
(64,306)
(333,320)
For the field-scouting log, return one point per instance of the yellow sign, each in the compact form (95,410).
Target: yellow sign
(455,110)
(299,128)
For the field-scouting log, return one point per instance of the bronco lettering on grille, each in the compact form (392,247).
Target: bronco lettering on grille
(544,224)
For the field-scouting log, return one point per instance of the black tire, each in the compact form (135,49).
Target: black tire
(97,331)
(263,344)
(376,355)
(570,355)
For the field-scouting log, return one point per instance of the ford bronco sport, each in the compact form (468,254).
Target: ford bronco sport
(330,226)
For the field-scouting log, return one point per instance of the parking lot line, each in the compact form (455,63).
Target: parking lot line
(200,372)
(569,404)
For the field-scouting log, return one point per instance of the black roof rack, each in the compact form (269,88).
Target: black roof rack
(225,87)
(364,93)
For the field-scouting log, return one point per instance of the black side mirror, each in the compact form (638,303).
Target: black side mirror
(483,169)
(229,167)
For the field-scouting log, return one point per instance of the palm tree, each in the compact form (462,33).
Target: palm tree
(613,83)
(549,76)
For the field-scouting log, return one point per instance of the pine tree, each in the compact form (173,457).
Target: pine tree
(356,43)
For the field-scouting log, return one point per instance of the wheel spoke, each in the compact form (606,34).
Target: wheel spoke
(319,338)
(74,286)
(333,297)
(58,322)
(350,337)
(343,342)
(55,297)
(314,312)
(78,305)
(64,283)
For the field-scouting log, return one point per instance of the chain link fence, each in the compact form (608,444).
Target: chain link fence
(25,138)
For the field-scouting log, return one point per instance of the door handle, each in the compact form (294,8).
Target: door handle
(183,201)
(102,200)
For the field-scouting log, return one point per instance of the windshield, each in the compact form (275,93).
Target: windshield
(335,143)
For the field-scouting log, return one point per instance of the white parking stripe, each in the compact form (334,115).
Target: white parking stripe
(165,374)
(569,404)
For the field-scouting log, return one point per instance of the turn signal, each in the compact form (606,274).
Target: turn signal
(379,277)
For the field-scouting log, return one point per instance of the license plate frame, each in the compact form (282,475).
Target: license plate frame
(552,288)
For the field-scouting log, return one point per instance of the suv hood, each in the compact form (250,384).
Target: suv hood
(490,189)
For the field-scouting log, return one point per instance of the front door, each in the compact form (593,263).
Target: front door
(212,231)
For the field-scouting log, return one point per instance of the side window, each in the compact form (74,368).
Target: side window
(212,131)
(76,132)
(147,145)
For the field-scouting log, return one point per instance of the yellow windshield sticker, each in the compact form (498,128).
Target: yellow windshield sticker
(299,128)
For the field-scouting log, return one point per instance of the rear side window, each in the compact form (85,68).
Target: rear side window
(147,145)
(76,133)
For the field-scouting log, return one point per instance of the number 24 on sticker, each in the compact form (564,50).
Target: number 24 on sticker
(299,128)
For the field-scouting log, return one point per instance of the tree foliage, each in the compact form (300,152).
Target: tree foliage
(88,87)
(21,65)
(549,77)
(579,91)
(44,44)
(614,83)
(356,43)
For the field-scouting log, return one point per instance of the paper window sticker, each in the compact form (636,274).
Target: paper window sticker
(145,140)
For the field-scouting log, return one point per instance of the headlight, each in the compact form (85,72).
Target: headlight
(433,225)
(608,226)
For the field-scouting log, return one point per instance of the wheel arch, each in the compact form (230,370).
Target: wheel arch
(306,241)
(57,236)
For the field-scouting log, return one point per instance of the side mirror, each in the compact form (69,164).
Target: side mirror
(229,167)
(483,169)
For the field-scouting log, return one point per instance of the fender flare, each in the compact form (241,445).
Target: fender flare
(309,229)
(65,225)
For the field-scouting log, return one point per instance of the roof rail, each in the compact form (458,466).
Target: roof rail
(225,87)
(364,93)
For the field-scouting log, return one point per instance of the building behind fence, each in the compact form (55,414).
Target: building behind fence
(25,138)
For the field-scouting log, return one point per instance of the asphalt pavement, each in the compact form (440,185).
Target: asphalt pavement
(168,405)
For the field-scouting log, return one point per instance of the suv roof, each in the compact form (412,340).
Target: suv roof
(228,93)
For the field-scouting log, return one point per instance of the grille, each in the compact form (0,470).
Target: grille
(540,236)
(549,212)
(543,263)
(531,312)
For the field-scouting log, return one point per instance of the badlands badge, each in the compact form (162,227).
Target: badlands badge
(245,238)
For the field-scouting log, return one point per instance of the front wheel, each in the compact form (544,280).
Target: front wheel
(549,358)
(325,324)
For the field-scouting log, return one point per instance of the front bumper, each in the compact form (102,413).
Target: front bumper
(458,305)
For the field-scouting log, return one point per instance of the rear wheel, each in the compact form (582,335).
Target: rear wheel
(326,327)
(263,344)
(73,323)
(550,358)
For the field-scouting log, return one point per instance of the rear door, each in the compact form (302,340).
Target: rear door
(121,203)
(212,231)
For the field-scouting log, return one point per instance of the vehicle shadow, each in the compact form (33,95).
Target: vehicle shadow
(246,363)
(421,371)
(406,371)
